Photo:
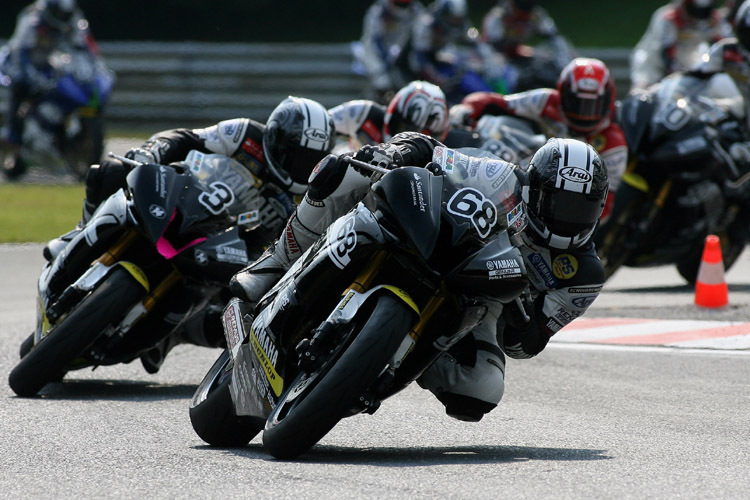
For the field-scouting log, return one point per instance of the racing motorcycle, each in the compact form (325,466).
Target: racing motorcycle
(510,138)
(63,126)
(152,258)
(682,182)
(368,307)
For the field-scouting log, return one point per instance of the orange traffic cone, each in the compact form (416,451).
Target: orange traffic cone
(710,286)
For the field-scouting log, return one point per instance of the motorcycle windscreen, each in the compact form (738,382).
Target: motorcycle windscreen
(481,195)
(412,197)
(155,190)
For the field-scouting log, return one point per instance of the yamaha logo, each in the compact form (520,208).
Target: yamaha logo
(157,211)
(575,174)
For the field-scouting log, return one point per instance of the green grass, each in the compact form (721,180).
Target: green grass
(38,213)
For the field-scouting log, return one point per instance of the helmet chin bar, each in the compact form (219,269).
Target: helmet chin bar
(552,240)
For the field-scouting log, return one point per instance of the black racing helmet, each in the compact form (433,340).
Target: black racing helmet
(299,133)
(565,193)
(57,12)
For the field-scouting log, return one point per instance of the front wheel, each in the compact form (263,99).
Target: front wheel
(314,403)
(54,354)
(212,410)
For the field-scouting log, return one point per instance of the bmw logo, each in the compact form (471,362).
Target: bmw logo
(157,211)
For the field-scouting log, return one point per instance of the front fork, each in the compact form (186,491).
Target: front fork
(95,274)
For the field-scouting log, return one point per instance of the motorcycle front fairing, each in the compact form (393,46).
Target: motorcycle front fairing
(155,191)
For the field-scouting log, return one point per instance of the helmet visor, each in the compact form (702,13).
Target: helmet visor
(568,213)
(297,163)
(582,109)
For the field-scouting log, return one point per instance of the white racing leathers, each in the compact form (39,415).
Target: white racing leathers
(386,30)
(468,378)
(673,42)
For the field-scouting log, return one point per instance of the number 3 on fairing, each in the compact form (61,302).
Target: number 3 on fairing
(218,199)
(471,204)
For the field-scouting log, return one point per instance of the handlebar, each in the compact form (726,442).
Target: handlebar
(126,161)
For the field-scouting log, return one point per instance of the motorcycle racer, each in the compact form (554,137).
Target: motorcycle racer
(419,106)
(582,107)
(509,25)
(678,34)
(41,28)
(565,274)
(386,31)
(279,156)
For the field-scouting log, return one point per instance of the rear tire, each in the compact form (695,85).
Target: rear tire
(106,305)
(212,409)
(309,409)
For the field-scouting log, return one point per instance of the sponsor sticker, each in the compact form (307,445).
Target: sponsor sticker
(503,268)
(565,266)
(553,325)
(517,217)
(585,289)
(248,218)
(545,273)
(267,353)
(583,302)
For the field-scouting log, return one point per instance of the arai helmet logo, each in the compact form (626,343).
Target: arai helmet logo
(575,174)
(316,134)
(588,84)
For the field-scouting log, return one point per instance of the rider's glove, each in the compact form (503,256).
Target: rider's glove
(142,155)
(382,156)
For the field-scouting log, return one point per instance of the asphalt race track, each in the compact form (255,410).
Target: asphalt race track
(584,419)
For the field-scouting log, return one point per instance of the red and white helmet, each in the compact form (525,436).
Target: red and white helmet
(418,107)
(587,94)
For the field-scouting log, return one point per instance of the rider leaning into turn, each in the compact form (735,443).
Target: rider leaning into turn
(678,34)
(581,107)
(565,273)
(418,106)
(41,28)
(279,156)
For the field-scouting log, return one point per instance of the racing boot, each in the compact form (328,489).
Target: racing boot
(203,329)
(252,283)
(56,245)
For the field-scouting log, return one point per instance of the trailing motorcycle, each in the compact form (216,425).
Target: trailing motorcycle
(63,127)
(510,138)
(683,181)
(368,307)
(152,258)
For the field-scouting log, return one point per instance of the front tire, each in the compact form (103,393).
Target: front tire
(313,404)
(212,410)
(106,305)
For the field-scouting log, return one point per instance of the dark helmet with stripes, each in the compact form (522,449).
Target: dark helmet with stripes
(299,133)
(566,186)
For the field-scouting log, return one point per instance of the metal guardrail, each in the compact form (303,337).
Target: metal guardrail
(163,84)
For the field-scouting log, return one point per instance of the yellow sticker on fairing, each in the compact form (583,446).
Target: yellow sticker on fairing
(266,352)
(565,266)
